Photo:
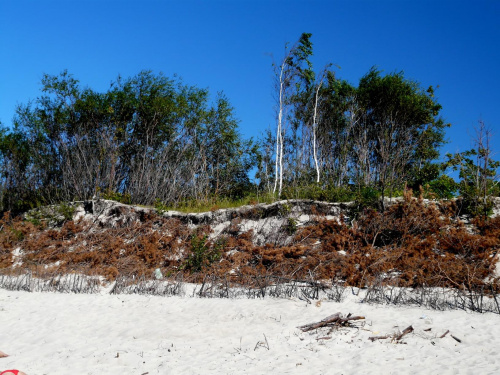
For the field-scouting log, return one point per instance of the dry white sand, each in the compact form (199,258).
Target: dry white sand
(61,334)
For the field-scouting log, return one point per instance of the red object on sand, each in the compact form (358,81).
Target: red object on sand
(15,372)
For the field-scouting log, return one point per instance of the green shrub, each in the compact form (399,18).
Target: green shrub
(160,207)
(66,211)
(366,197)
(291,226)
(443,187)
(111,195)
(203,253)
(474,203)
(328,193)
(55,215)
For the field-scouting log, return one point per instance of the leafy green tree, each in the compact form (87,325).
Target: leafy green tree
(147,138)
(403,123)
(228,157)
(477,173)
(339,114)
(16,179)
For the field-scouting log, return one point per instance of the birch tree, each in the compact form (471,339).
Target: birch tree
(290,73)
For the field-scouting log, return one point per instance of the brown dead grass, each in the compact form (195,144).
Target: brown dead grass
(411,244)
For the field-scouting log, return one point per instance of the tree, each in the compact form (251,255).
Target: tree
(402,121)
(291,74)
(340,113)
(15,176)
(477,173)
(228,157)
(147,138)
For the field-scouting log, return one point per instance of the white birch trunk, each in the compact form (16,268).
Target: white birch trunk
(314,132)
(279,137)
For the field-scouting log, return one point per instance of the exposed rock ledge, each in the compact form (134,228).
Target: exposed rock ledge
(106,213)
(270,223)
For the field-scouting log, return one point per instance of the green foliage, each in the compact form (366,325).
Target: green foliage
(381,134)
(473,203)
(18,234)
(420,177)
(146,138)
(54,215)
(154,140)
(367,194)
(366,197)
(214,203)
(478,175)
(403,123)
(285,209)
(66,211)
(291,226)
(228,157)
(443,187)
(124,198)
(329,193)
(160,207)
(203,253)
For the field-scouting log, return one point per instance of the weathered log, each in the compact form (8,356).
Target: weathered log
(329,319)
(335,319)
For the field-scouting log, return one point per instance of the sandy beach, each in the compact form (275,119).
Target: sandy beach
(56,334)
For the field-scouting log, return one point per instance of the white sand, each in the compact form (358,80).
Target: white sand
(56,334)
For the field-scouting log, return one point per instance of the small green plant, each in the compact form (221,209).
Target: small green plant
(124,198)
(285,209)
(203,254)
(55,215)
(160,207)
(35,218)
(366,197)
(66,211)
(18,235)
(291,226)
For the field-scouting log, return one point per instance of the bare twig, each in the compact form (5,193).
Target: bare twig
(456,338)
(444,334)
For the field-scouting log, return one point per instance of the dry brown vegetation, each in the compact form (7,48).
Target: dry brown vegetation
(412,244)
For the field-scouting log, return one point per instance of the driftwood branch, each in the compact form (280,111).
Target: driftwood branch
(373,338)
(444,334)
(394,337)
(332,320)
(405,332)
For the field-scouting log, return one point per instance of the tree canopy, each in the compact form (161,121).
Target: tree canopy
(148,137)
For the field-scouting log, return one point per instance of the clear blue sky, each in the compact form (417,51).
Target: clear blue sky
(227,46)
